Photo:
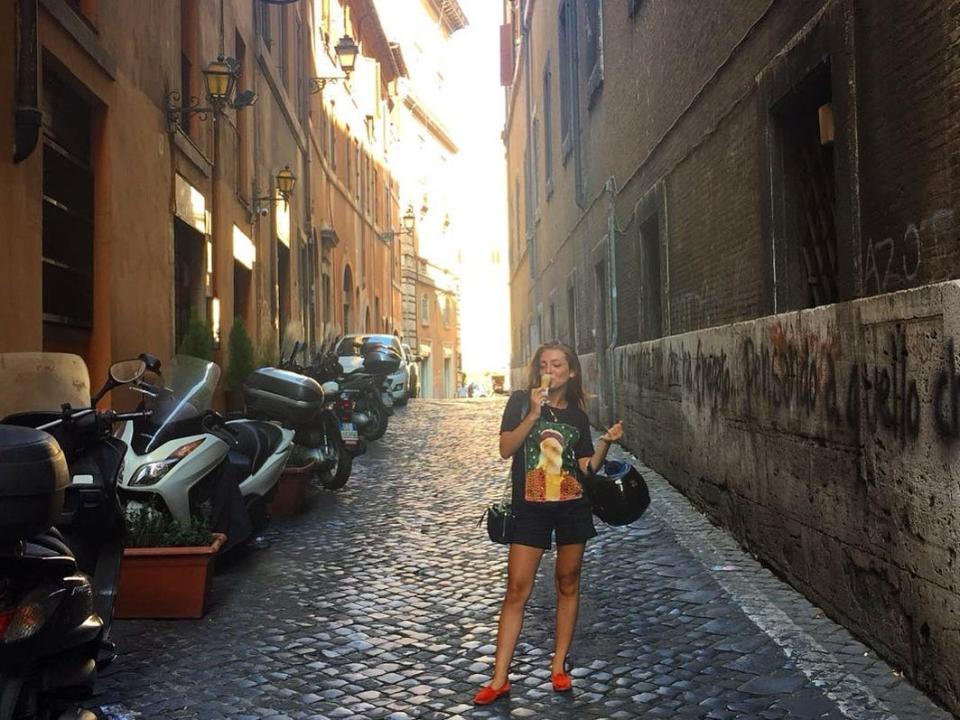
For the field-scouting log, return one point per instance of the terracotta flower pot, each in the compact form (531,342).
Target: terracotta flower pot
(166,582)
(291,491)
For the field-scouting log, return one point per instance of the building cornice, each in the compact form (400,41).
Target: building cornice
(451,14)
(373,40)
(432,124)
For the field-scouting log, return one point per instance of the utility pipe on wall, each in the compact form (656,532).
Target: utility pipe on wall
(28,117)
(610,188)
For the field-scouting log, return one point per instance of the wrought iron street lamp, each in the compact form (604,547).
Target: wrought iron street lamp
(220,83)
(347,51)
(285,181)
(407,223)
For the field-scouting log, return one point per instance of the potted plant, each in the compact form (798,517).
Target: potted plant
(166,567)
(294,483)
(197,340)
(241,362)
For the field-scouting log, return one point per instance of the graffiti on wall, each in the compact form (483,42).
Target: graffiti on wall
(895,261)
(808,376)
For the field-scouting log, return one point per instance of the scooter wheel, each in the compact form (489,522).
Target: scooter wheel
(336,477)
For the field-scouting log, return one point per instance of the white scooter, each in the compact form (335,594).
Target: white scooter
(189,461)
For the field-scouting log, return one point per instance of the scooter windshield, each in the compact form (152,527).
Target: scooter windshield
(42,381)
(191,382)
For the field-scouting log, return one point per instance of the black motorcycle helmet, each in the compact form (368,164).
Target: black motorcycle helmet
(618,493)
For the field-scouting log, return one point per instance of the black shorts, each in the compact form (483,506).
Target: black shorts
(535,525)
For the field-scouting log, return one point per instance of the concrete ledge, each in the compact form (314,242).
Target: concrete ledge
(826,441)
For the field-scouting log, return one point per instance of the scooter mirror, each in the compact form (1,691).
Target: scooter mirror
(127,371)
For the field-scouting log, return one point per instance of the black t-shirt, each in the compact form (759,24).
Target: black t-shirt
(545,469)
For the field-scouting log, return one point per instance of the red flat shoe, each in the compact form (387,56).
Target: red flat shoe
(561,682)
(488,694)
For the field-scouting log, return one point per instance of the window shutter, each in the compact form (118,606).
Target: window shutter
(506,54)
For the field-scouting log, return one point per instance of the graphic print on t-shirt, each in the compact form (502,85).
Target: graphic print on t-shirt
(549,463)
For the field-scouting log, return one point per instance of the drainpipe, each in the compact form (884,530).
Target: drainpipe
(28,116)
(610,188)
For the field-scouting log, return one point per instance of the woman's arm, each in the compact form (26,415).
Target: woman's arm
(512,440)
(612,435)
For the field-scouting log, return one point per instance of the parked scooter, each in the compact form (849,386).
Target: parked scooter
(288,395)
(189,461)
(57,589)
(366,386)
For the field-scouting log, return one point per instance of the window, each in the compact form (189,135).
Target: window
(535,166)
(243,123)
(447,311)
(186,70)
(518,228)
(356,165)
(283,60)
(424,309)
(566,65)
(348,178)
(632,7)
(68,217)
(808,190)
(651,310)
(333,142)
(548,130)
(572,315)
(188,50)
(593,52)
(553,321)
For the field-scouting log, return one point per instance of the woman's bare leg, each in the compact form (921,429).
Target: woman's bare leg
(569,562)
(521,571)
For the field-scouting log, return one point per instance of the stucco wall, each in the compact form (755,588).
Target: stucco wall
(826,441)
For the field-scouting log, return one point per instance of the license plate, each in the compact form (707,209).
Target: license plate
(387,399)
(349,433)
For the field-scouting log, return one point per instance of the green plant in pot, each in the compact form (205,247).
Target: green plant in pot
(241,362)
(198,339)
(148,527)
(299,457)
(166,567)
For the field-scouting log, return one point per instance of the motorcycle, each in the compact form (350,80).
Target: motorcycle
(186,460)
(305,406)
(366,385)
(57,586)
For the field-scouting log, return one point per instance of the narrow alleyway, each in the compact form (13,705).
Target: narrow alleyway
(381,602)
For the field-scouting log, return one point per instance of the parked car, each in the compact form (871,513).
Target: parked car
(350,355)
(413,371)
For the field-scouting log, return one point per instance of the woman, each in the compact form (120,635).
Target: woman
(549,445)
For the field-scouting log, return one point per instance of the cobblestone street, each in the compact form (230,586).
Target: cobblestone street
(381,601)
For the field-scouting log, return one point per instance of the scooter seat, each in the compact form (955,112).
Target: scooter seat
(47,546)
(256,440)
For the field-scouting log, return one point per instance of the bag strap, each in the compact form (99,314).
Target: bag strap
(507,496)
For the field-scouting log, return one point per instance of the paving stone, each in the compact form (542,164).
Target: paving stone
(381,601)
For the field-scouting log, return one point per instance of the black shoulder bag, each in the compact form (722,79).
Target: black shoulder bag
(499,514)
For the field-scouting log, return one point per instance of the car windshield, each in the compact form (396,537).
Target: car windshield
(358,345)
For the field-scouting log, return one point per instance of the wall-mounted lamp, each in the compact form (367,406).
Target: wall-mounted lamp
(316,84)
(408,222)
(220,79)
(347,51)
(285,182)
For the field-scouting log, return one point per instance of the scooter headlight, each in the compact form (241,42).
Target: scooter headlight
(32,614)
(152,473)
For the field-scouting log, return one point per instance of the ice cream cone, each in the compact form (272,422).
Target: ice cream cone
(545,381)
